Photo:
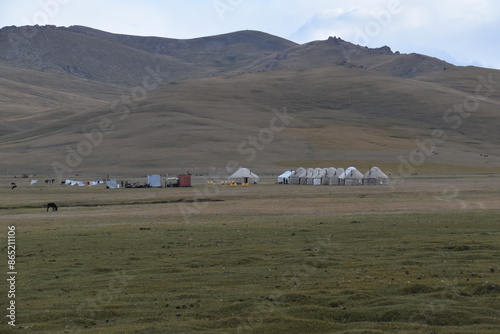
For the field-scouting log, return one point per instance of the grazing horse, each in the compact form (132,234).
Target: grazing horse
(53,206)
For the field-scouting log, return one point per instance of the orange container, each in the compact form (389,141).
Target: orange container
(184,180)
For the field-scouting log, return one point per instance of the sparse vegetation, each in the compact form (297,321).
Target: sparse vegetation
(262,259)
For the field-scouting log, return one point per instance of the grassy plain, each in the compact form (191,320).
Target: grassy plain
(420,256)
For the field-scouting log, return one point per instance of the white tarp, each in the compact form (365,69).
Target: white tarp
(154,181)
(285,177)
(112,184)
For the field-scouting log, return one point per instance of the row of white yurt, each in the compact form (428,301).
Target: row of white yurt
(334,176)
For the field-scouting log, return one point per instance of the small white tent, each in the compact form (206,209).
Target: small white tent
(285,177)
(351,177)
(375,176)
(244,175)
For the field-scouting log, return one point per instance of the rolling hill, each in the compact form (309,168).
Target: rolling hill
(75,97)
(99,56)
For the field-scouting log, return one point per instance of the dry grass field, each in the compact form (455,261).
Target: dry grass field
(419,256)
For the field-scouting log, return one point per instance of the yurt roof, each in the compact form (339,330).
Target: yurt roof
(331,171)
(375,173)
(351,173)
(300,172)
(243,172)
(321,172)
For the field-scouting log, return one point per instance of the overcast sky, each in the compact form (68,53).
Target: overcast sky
(463,32)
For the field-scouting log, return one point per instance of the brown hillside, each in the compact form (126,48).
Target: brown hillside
(338,113)
(364,110)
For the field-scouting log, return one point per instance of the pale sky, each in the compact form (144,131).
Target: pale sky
(463,32)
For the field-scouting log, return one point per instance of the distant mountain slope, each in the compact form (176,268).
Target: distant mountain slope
(218,53)
(99,56)
(337,51)
(120,59)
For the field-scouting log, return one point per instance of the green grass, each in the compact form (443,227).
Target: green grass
(237,266)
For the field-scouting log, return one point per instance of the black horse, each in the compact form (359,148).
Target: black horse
(53,206)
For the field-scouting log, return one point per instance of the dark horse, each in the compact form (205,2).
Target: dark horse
(53,206)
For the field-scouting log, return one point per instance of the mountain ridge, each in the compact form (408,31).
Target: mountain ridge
(96,55)
(62,49)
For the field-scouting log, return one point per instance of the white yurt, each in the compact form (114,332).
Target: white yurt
(330,173)
(319,176)
(335,180)
(326,180)
(374,177)
(351,177)
(309,179)
(297,175)
(244,175)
